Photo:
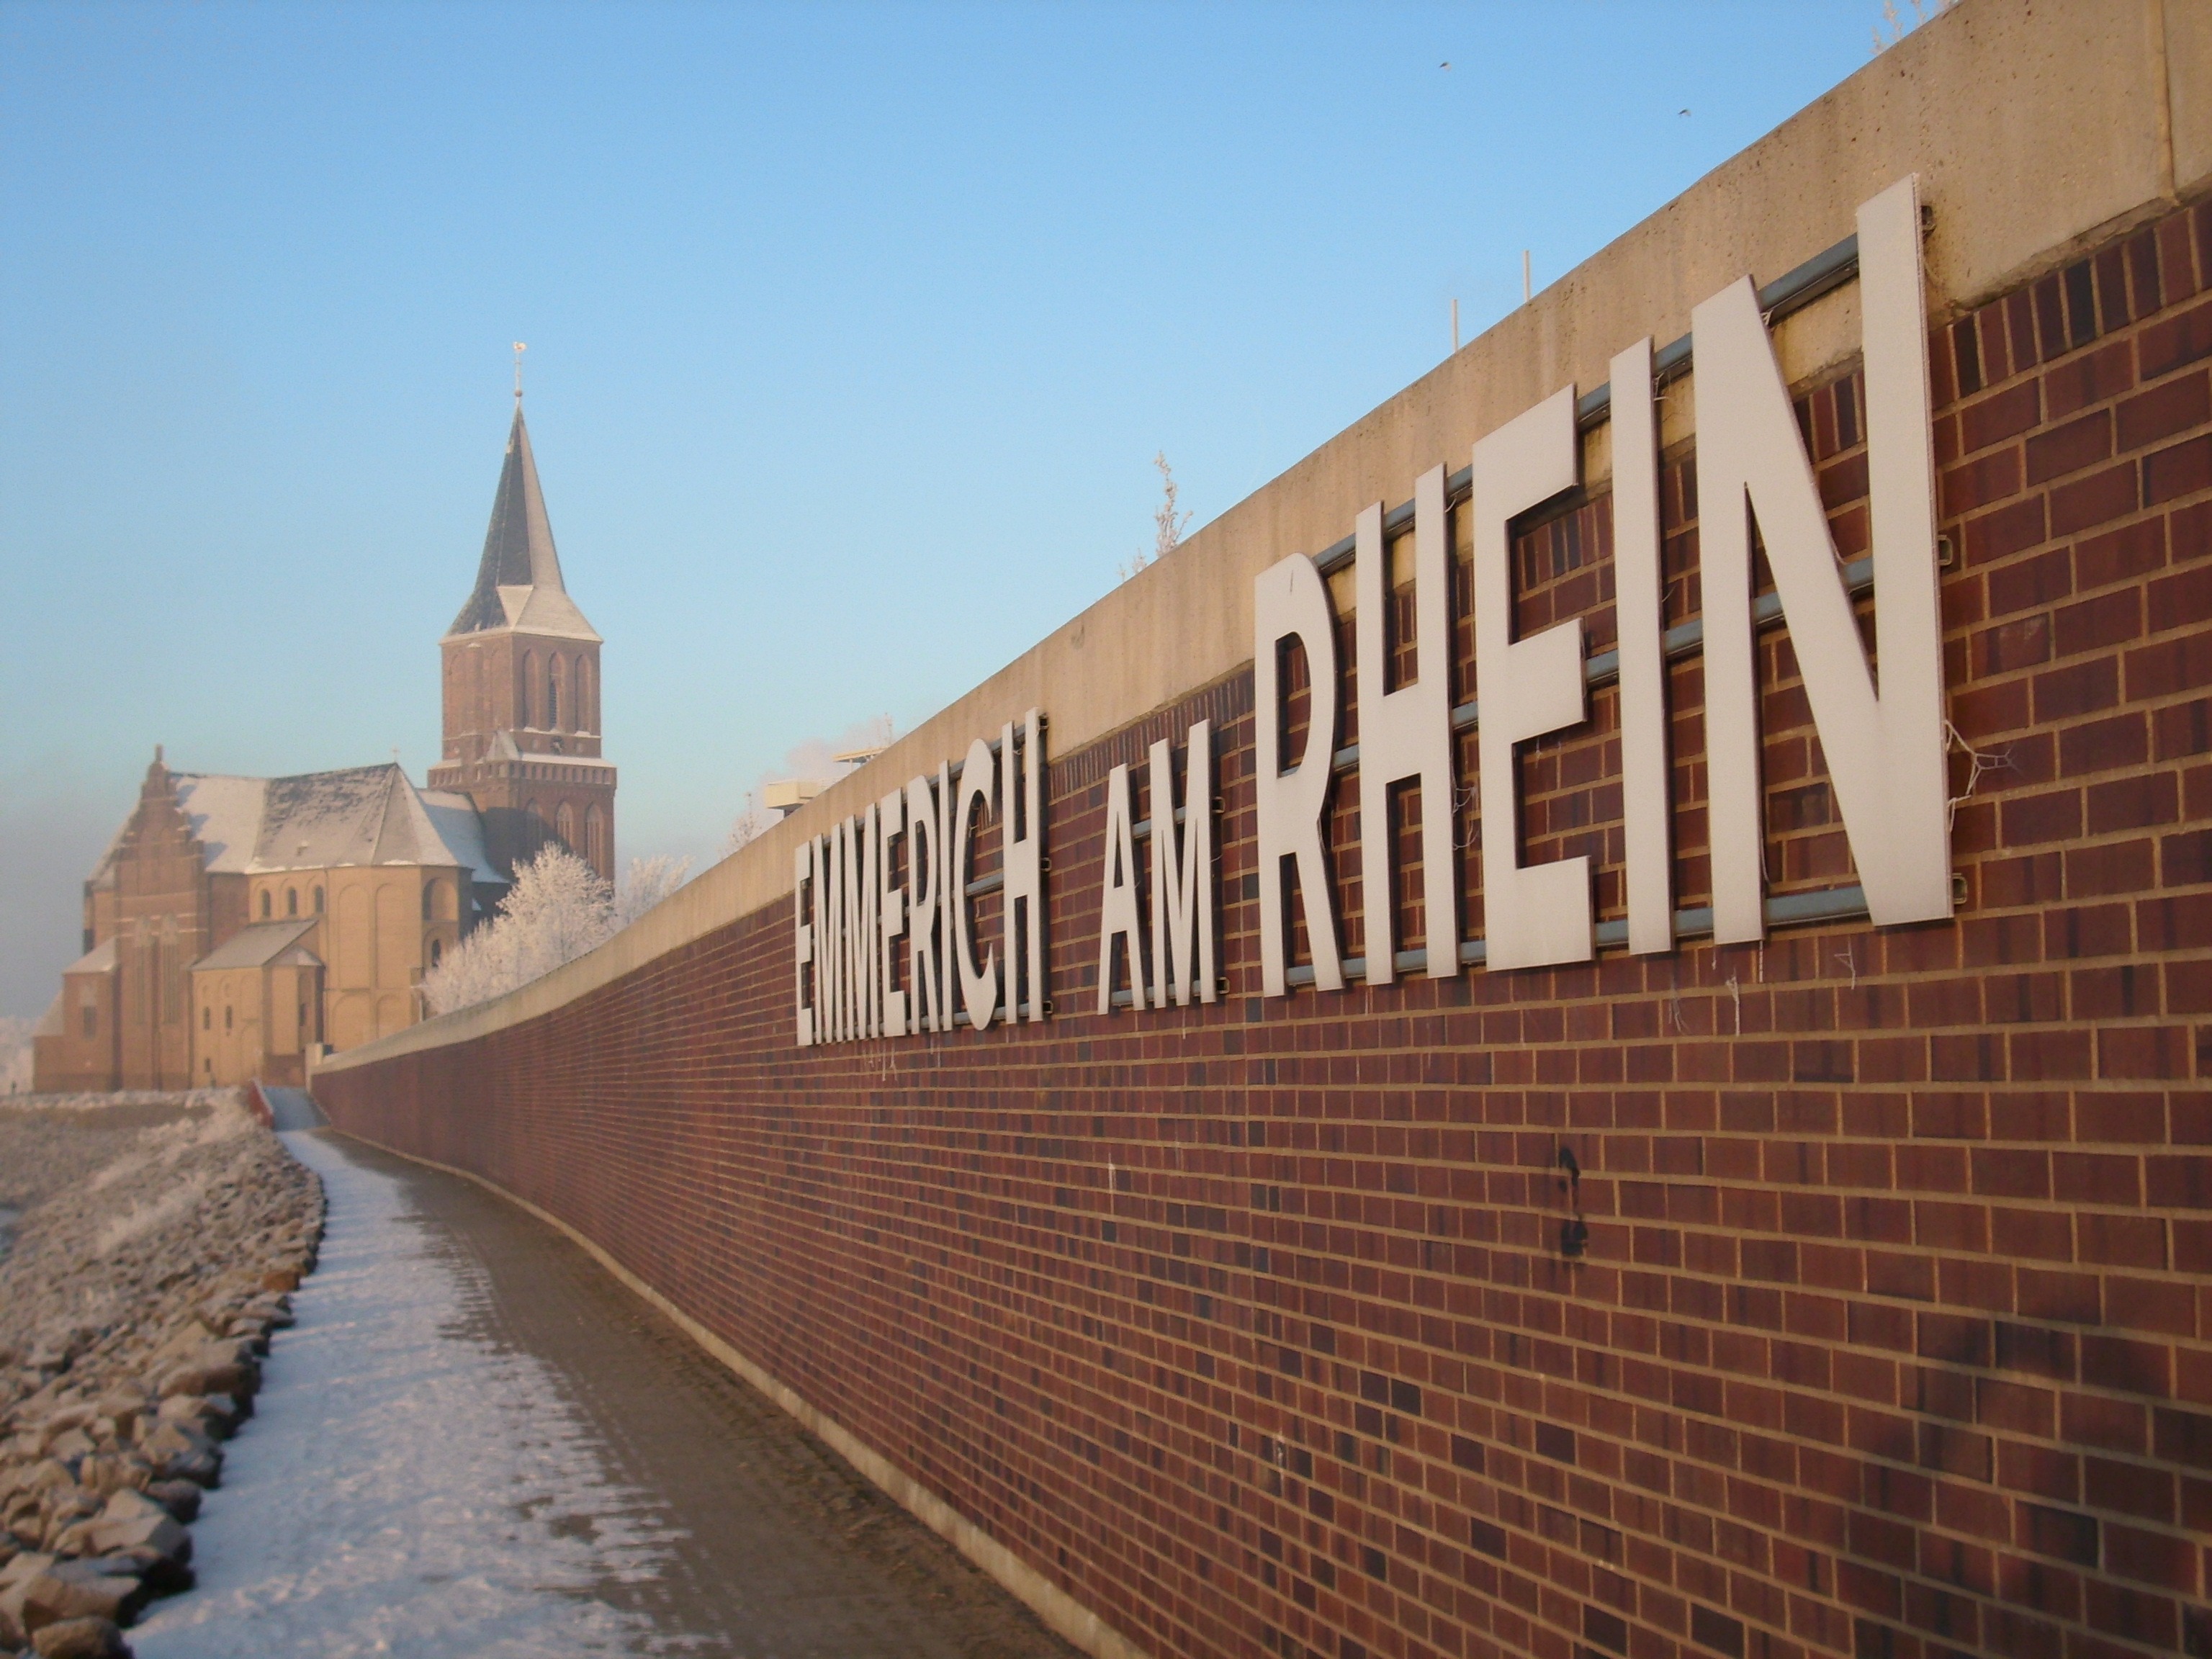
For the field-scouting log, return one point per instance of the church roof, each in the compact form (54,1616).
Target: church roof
(225,816)
(264,944)
(455,818)
(363,815)
(100,959)
(519,580)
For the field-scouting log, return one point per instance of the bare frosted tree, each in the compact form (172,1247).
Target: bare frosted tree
(645,883)
(749,825)
(1167,523)
(1897,27)
(556,911)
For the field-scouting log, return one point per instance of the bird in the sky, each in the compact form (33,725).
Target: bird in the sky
(1681,112)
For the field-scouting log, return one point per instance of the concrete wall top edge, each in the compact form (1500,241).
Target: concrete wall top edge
(2033,123)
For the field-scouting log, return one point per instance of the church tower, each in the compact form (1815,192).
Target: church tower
(521,670)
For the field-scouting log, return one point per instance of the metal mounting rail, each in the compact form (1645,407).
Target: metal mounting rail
(1824,272)
(1782,911)
(1682,640)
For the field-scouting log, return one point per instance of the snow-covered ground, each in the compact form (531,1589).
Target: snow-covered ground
(407,1486)
(101,1100)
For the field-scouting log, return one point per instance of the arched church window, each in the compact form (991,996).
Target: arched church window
(429,899)
(291,901)
(587,706)
(556,671)
(564,825)
(318,901)
(207,1019)
(437,952)
(226,1017)
(595,838)
(529,688)
(264,905)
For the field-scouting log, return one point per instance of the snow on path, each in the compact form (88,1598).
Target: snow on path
(406,1486)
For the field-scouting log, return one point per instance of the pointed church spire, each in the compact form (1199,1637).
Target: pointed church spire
(521,687)
(518,551)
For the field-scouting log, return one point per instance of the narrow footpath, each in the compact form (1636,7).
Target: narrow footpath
(475,1442)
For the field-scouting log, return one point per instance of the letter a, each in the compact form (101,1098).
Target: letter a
(1117,903)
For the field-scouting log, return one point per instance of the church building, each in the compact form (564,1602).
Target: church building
(236,926)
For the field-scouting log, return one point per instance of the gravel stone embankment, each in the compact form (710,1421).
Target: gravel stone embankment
(152,1245)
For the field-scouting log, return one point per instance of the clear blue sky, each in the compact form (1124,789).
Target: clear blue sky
(854,330)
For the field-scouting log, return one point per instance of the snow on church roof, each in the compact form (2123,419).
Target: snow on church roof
(225,815)
(260,944)
(454,818)
(100,959)
(363,815)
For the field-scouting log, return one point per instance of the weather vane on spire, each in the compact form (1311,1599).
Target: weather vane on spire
(519,349)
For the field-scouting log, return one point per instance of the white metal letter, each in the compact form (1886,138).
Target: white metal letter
(950,896)
(829,933)
(891,917)
(1646,767)
(867,945)
(803,889)
(1535,913)
(1289,600)
(852,951)
(1021,820)
(1183,906)
(1407,733)
(1117,905)
(1884,748)
(923,852)
(979,986)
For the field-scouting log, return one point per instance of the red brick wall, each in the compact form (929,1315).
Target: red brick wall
(1251,1326)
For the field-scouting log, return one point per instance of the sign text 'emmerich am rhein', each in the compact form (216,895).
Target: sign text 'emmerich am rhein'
(903,876)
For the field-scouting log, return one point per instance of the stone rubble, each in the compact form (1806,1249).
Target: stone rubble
(152,1251)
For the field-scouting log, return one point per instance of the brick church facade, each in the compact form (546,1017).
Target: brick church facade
(237,927)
